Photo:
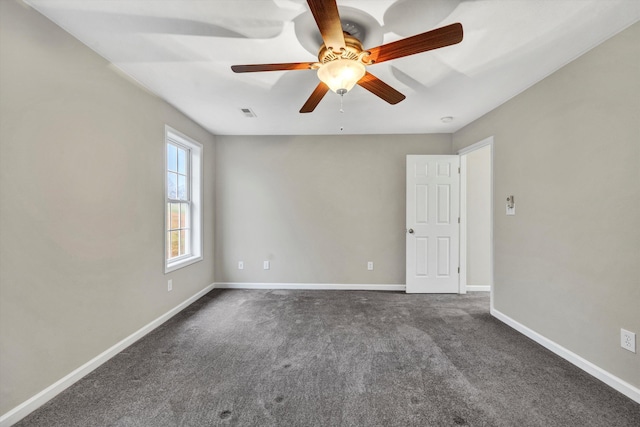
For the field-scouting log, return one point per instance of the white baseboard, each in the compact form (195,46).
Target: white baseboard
(30,405)
(315,286)
(608,378)
(478,288)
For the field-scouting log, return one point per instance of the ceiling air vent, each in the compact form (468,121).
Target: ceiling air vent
(248,112)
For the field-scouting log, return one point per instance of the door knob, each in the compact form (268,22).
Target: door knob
(410,231)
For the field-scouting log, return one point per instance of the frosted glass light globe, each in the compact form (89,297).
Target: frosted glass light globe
(341,74)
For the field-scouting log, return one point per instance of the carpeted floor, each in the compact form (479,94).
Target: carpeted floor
(336,358)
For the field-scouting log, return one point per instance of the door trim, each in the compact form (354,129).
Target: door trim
(463,218)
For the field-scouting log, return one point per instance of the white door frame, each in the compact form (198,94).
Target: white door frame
(463,218)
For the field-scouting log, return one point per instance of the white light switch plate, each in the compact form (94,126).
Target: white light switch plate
(267,265)
(511,211)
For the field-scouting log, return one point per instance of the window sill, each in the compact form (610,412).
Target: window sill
(173,266)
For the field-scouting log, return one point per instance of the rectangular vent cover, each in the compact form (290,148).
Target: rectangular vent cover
(248,112)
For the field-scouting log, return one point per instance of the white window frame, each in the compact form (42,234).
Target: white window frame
(195,177)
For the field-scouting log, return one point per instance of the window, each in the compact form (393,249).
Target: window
(183,197)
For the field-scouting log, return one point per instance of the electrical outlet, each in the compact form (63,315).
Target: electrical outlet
(240,265)
(266,265)
(170,285)
(370,265)
(628,340)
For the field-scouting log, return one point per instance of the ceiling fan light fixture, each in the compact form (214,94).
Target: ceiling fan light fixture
(341,75)
(342,59)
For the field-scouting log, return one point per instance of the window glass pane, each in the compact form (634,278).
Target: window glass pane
(172,157)
(168,245)
(175,216)
(182,187)
(175,235)
(172,185)
(182,161)
(182,242)
(184,215)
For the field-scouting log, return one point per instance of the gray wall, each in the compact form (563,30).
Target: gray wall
(81,157)
(81,193)
(478,214)
(317,207)
(568,264)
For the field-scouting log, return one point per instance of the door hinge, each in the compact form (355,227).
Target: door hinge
(458,220)
(458,270)
(458,170)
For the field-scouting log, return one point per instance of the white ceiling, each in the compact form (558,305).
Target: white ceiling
(182,50)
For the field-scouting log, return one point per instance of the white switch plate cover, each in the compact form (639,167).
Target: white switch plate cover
(370,265)
(628,340)
(170,285)
(267,265)
(240,265)
(511,211)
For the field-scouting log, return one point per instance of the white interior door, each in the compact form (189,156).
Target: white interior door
(433,229)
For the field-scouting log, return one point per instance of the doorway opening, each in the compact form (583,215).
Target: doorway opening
(476,217)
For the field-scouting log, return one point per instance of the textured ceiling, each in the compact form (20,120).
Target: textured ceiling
(182,51)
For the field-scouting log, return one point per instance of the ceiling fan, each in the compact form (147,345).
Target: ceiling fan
(342,58)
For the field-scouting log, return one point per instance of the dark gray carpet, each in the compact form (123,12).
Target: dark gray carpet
(334,358)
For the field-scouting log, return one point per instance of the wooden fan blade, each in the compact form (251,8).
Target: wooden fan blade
(315,98)
(380,88)
(327,18)
(434,39)
(271,67)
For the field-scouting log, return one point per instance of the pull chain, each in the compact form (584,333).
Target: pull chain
(341,92)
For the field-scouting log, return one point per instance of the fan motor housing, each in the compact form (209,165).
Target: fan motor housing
(353,51)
